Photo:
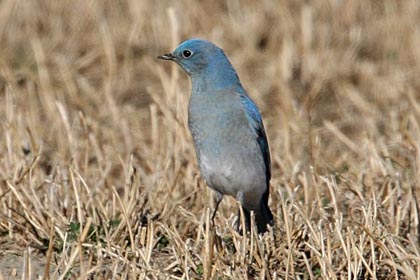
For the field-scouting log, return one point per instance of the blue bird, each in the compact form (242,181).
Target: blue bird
(227,129)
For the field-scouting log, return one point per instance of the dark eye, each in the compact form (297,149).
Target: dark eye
(187,53)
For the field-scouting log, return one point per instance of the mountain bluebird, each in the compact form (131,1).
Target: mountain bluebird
(227,128)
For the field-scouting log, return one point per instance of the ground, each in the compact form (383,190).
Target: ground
(98,176)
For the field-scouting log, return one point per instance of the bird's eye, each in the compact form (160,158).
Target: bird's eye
(187,53)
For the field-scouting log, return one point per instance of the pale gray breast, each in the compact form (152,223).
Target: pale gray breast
(235,168)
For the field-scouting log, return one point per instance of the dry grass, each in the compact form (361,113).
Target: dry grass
(98,177)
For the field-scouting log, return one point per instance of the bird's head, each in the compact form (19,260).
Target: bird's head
(195,55)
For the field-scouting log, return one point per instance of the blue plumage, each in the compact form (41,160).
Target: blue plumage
(227,128)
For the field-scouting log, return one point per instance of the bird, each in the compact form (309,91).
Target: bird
(227,129)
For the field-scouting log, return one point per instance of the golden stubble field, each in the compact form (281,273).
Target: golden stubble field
(98,177)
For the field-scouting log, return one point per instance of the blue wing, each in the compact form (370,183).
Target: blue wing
(255,117)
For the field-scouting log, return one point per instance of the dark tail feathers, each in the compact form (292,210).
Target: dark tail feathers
(263,216)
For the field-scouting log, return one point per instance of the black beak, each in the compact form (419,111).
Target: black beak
(167,56)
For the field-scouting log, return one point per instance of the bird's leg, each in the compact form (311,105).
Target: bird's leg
(238,221)
(218,197)
(246,225)
(246,215)
(240,199)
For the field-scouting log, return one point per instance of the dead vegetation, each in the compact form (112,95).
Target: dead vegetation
(98,178)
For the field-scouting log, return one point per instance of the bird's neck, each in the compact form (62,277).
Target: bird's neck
(218,75)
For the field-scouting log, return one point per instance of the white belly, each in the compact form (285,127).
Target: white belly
(231,176)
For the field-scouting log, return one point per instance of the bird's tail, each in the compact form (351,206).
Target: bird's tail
(263,215)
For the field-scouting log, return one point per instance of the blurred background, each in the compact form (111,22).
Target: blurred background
(88,114)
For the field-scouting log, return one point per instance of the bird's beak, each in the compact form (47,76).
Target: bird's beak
(167,56)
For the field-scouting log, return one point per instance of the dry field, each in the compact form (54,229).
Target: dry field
(98,177)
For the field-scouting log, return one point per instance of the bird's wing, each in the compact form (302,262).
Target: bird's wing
(254,117)
(265,216)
